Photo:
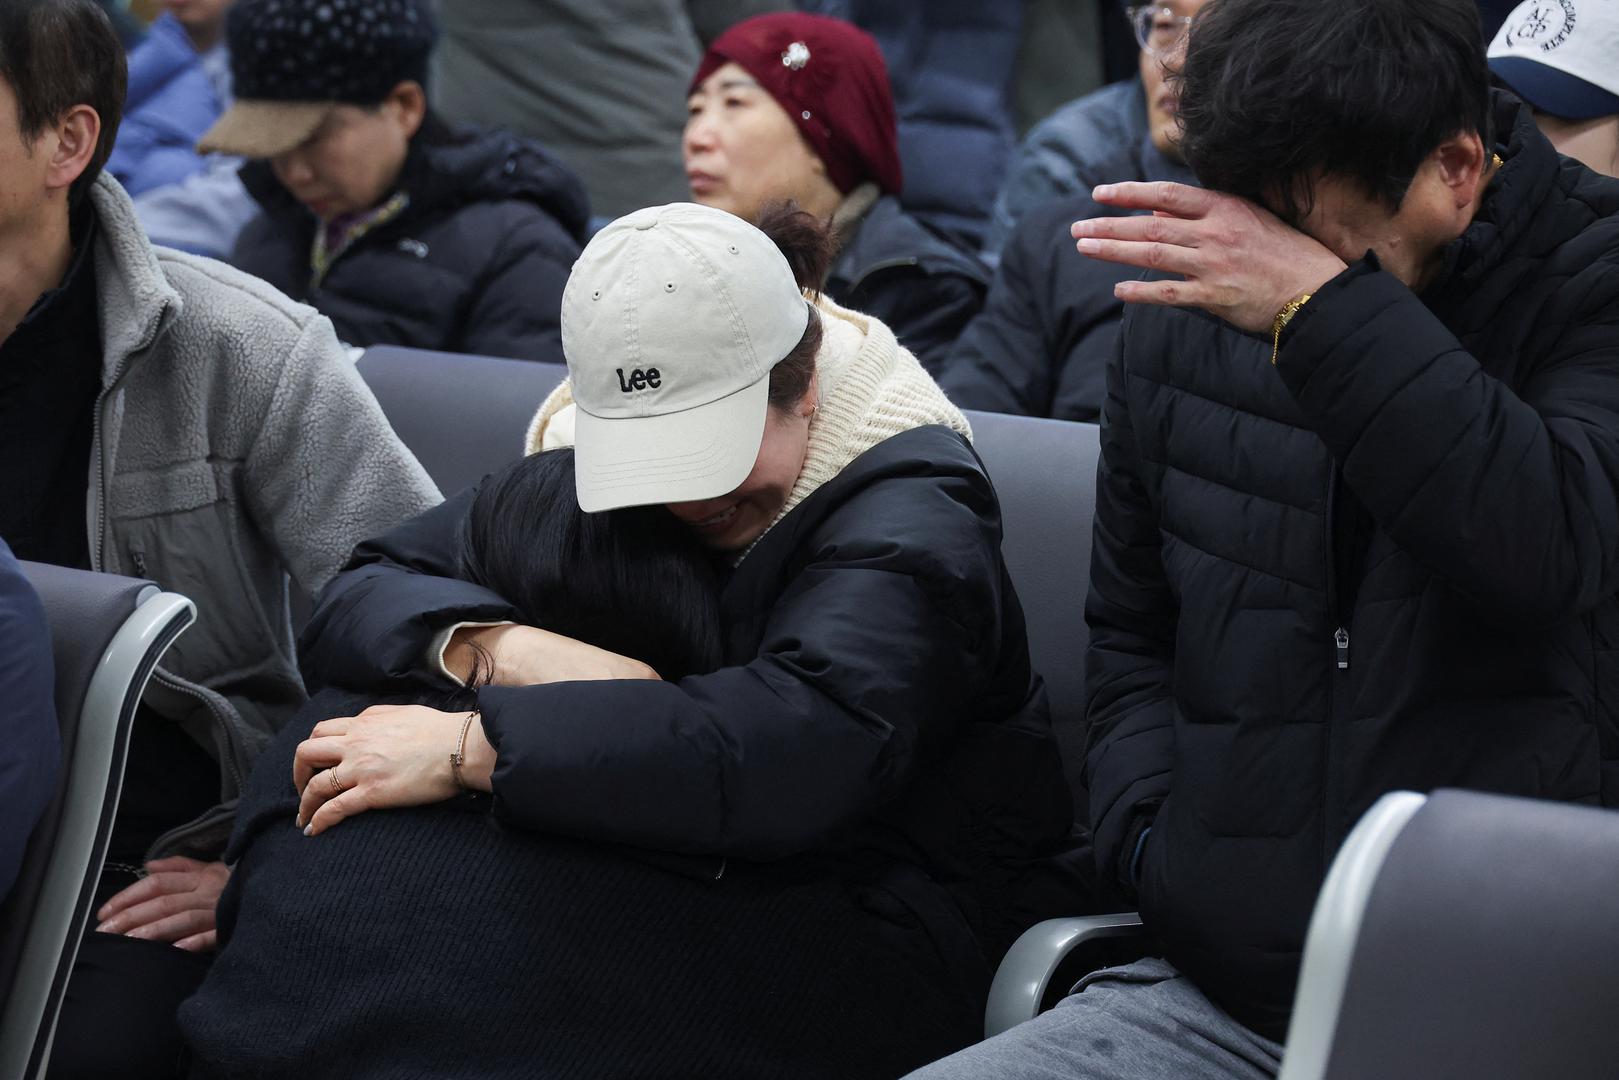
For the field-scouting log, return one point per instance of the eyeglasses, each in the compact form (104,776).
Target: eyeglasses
(1158,29)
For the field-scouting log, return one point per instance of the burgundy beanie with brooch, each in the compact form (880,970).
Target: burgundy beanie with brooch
(830,77)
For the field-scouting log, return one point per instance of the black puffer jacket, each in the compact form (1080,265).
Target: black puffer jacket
(475,264)
(878,717)
(1388,562)
(897,270)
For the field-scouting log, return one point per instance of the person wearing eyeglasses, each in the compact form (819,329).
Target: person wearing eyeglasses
(1040,345)
(1124,131)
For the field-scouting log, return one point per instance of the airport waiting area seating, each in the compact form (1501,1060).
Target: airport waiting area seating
(1424,958)
(1457,934)
(107,635)
(465,416)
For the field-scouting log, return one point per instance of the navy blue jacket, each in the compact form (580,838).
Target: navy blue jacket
(170,104)
(877,712)
(1388,562)
(475,264)
(1041,344)
(919,285)
(30,746)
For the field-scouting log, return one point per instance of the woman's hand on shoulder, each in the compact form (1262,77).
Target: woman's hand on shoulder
(527,655)
(388,756)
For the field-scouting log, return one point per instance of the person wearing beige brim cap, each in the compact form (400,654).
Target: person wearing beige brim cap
(1563,59)
(875,718)
(400,228)
(294,61)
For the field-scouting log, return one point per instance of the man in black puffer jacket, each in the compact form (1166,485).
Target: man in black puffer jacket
(397,228)
(1357,522)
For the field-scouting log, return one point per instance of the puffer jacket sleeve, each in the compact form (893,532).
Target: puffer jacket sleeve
(372,627)
(517,312)
(1129,669)
(1511,497)
(326,470)
(868,665)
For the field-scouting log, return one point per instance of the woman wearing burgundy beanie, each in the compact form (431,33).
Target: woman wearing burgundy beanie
(794,106)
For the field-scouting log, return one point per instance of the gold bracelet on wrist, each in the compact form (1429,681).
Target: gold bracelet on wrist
(1283,317)
(459,757)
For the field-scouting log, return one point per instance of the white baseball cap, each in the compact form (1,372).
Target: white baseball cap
(1561,56)
(671,321)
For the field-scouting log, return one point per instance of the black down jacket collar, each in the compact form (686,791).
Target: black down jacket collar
(476,262)
(1388,562)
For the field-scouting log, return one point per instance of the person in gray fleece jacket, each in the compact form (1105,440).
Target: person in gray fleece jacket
(167,417)
(235,445)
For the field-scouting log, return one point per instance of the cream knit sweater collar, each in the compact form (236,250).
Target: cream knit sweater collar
(870,390)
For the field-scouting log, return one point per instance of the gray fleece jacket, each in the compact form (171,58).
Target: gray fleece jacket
(235,444)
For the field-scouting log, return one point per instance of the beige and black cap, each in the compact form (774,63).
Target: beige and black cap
(292,61)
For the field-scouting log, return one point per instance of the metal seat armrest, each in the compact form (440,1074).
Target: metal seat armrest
(1025,974)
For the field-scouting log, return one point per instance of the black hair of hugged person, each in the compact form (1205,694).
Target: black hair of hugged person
(632,580)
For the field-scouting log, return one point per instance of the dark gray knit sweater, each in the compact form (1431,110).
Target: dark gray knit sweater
(436,942)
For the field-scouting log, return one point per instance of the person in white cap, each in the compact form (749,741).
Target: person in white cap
(877,719)
(1563,60)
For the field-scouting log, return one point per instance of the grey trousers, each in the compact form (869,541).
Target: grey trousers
(1143,1021)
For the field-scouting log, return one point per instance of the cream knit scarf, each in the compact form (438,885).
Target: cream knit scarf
(870,390)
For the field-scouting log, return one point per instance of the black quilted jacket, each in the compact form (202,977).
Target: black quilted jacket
(1387,563)
(877,715)
(475,264)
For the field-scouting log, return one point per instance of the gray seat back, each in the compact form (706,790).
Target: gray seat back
(107,634)
(462,416)
(1478,939)
(1045,474)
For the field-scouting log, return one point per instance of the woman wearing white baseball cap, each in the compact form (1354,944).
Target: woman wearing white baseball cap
(1563,59)
(877,729)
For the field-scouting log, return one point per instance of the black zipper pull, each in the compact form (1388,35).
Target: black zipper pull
(138,558)
(1341,640)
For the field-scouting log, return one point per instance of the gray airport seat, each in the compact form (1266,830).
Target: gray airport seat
(1464,935)
(1457,935)
(1045,474)
(107,635)
(464,416)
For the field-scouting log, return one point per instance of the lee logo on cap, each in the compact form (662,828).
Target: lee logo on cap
(650,379)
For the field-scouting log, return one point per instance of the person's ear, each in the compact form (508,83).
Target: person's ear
(811,399)
(408,102)
(71,143)
(1461,161)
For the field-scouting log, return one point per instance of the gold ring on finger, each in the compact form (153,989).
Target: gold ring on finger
(337,785)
